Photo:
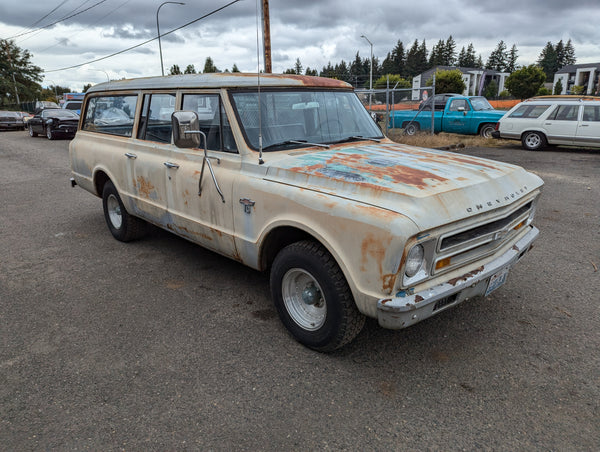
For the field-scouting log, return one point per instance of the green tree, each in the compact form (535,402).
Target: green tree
(19,78)
(558,87)
(381,82)
(174,70)
(467,58)
(449,52)
(209,66)
(548,61)
(498,57)
(235,68)
(569,54)
(86,87)
(190,69)
(448,82)
(491,90)
(511,60)
(416,59)
(310,71)
(525,82)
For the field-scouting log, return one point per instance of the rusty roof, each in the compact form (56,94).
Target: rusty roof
(220,80)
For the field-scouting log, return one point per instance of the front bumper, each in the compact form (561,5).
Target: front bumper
(401,312)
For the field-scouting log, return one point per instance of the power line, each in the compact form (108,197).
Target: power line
(39,20)
(58,21)
(145,42)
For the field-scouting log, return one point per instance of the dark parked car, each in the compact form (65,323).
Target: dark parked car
(54,122)
(11,120)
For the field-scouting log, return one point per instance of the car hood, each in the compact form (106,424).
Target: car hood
(428,186)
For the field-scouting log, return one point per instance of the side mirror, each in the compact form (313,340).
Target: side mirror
(185,126)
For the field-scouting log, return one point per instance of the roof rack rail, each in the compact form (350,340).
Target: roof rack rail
(565,97)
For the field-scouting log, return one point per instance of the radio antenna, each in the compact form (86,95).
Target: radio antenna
(260,145)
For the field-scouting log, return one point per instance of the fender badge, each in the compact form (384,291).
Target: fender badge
(248,204)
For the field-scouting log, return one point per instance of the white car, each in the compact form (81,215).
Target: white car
(566,120)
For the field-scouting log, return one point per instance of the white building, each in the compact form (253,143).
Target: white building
(585,75)
(476,80)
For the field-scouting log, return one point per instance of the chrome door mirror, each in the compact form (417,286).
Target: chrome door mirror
(185,126)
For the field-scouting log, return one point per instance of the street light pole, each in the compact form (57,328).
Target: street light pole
(371,72)
(158,33)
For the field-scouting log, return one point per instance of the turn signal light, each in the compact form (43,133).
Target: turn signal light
(442,263)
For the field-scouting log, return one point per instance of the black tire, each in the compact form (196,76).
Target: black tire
(533,141)
(31,132)
(486,130)
(313,298)
(122,226)
(411,129)
(49,133)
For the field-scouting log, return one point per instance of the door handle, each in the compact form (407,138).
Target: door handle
(171,165)
(584,125)
(129,155)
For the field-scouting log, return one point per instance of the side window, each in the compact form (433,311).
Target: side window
(529,111)
(591,113)
(155,120)
(110,114)
(213,120)
(565,113)
(457,104)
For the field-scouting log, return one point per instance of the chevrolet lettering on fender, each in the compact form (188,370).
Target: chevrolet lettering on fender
(296,179)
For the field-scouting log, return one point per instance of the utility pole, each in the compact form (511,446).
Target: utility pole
(266,36)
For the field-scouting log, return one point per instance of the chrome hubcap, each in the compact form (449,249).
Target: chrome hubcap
(114,211)
(303,299)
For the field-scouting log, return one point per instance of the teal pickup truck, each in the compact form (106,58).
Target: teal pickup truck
(469,115)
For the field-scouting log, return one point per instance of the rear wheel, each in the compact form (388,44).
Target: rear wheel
(31,132)
(122,226)
(411,129)
(486,130)
(312,297)
(533,141)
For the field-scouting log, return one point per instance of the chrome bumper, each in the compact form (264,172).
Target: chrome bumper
(401,312)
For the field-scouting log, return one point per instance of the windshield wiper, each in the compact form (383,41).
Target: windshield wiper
(359,138)
(302,142)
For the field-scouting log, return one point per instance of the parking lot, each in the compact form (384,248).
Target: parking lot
(161,345)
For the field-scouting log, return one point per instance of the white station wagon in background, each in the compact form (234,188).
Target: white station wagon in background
(566,120)
(295,178)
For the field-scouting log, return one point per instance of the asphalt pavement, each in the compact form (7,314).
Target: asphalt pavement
(159,344)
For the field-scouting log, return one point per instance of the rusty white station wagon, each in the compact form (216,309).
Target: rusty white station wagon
(290,174)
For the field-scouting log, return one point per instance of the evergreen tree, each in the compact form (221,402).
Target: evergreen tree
(558,87)
(175,70)
(569,54)
(548,61)
(511,61)
(479,62)
(560,54)
(310,71)
(398,58)
(412,60)
(467,58)
(235,68)
(209,66)
(298,67)
(388,64)
(436,58)
(190,69)
(497,59)
(449,52)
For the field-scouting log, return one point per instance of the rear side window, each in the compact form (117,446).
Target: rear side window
(591,113)
(529,111)
(213,121)
(155,120)
(112,115)
(565,113)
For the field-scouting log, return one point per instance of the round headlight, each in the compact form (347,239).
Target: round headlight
(414,260)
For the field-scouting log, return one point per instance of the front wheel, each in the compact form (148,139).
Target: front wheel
(122,226)
(313,298)
(49,133)
(533,141)
(486,130)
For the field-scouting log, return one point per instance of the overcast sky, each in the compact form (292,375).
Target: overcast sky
(315,31)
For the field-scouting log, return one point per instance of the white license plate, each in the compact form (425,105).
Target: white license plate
(496,281)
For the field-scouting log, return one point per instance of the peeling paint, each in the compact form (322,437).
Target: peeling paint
(466,276)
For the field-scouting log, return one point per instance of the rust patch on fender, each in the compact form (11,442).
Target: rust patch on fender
(466,276)
(388,283)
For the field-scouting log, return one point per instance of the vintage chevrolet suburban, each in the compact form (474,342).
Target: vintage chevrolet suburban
(290,174)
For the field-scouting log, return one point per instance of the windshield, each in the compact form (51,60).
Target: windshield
(480,103)
(289,118)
